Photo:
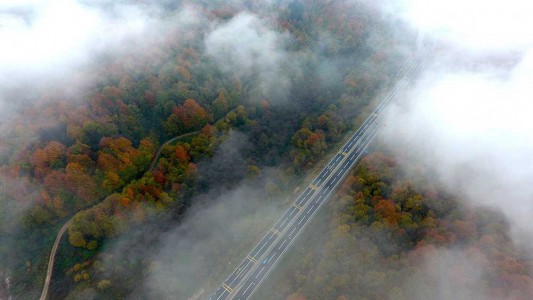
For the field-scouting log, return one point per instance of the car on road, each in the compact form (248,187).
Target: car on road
(265,261)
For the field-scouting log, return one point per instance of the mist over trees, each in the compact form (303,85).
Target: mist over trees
(265,87)
(392,232)
(172,134)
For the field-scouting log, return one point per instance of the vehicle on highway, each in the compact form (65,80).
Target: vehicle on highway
(265,261)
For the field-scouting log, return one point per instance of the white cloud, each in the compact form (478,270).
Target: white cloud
(247,47)
(474,125)
(43,37)
(476,24)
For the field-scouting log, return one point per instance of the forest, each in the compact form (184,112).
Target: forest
(86,156)
(169,153)
(391,233)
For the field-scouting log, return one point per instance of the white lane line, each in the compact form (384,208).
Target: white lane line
(283,223)
(262,247)
(301,220)
(223,292)
(271,256)
(282,244)
(246,290)
(257,276)
(240,272)
(292,231)
(365,141)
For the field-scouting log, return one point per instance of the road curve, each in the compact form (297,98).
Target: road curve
(160,148)
(51,260)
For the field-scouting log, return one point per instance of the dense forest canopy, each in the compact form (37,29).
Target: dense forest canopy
(392,233)
(264,88)
(168,136)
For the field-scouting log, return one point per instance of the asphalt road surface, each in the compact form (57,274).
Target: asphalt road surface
(245,279)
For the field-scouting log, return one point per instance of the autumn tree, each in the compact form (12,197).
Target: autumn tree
(120,162)
(186,117)
(52,156)
(81,184)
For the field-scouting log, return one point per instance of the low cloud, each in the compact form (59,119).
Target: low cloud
(210,242)
(218,229)
(44,37)
(475,129)
(248,47)
(469,115)
(449,274)
(474,24)
(222,224)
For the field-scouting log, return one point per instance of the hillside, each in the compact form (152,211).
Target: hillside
(270,91)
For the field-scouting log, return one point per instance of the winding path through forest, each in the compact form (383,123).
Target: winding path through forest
(51,260)
(158,152)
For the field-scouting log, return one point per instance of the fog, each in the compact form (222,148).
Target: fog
(46,38)
(247,47)
(212,241)
(474,125)
(217,232)
(469,116)
(48,47)
(485,26)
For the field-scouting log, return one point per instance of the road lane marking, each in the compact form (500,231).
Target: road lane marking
(320,200)
(246,290)
(282,244)
(227,288)
(334,182)
(293,230)
(275,231)
(283,223)
(313,187)
(264,245)
(297,206)
(239,274)
(252,259)
(259,273)
(221,295)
